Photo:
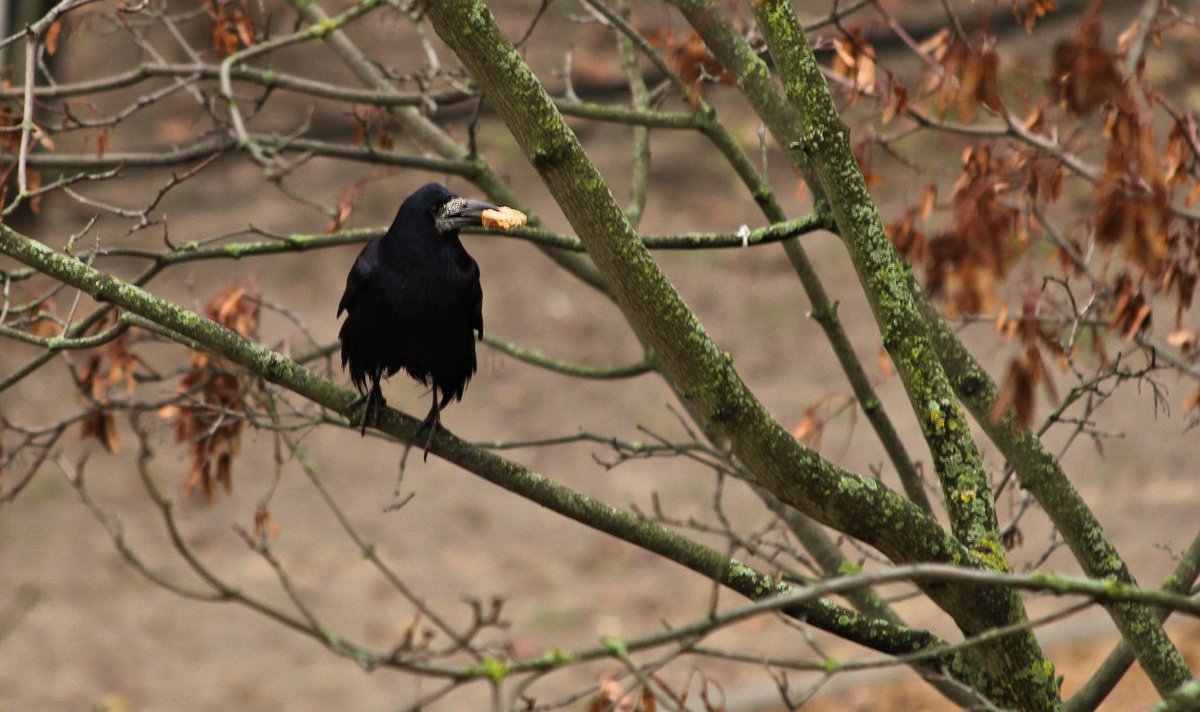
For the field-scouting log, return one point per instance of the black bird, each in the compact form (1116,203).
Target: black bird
(413,302)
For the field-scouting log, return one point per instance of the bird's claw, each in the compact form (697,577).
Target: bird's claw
(370,402)
(433,421)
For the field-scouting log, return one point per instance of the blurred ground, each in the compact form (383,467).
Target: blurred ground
(79,629)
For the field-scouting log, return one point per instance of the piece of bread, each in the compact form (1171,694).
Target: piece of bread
(503,218)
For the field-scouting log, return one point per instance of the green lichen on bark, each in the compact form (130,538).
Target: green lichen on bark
(825,143)
(753,77)
(798,476)
(1017,667)
(193,328)
(698,368)
(793,473)
(1040,472)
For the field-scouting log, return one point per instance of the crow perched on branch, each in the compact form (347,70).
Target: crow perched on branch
(413,302)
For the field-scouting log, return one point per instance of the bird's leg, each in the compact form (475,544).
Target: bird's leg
(432,421)
(375,401)
(371,401)
(363,399)
(366,414)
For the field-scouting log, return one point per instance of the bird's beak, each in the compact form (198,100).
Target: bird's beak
(462,212)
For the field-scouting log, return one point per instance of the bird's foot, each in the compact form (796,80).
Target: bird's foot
(371,402)
(432,422)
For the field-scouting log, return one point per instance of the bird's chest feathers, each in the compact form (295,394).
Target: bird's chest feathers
(423,280)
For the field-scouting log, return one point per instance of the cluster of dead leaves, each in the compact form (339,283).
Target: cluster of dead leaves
(958,76)
(692,61)
(962,77)
(1028,371)
(232,26)
(373,125)
(1032,11)
(1003,187)
(209,420)
(854,59)
(1084,74)
(110,366)
(966,263)
(994,200)
(1134,191)
(1171,246)
(1140,178)
(1134,205)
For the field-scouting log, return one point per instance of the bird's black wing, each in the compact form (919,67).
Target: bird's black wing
(362,272)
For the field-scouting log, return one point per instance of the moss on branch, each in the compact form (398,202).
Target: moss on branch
(196,330)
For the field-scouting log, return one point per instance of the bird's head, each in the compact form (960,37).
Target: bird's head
(448,211)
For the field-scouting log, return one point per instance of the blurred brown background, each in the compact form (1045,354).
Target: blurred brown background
(82,630)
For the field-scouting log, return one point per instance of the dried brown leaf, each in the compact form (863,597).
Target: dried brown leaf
(928,200)
(1131,311)
(897,103)
(1125,39)
(810,428)
(1192,402)
(224,475)
(854,59)
(610,697)
(232,27)
(338,221)
(101,425)
(694,63)
(244,28)
(1032,11)
(801,191)
(349,197)
(885,363)
(908,239)
(649,703)
(34,181)
(265,526)
(1001,318)
(52,35)
(862,153)
(1016,394)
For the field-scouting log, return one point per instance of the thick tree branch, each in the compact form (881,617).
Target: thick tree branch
(1097,557)
(705,376)
(754,79)
(1040,472)
(194,329)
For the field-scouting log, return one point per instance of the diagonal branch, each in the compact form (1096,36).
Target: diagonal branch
(754,79)
(194,329)
(705,376)
(1042,475)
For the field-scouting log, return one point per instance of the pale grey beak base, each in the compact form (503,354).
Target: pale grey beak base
(461,212)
